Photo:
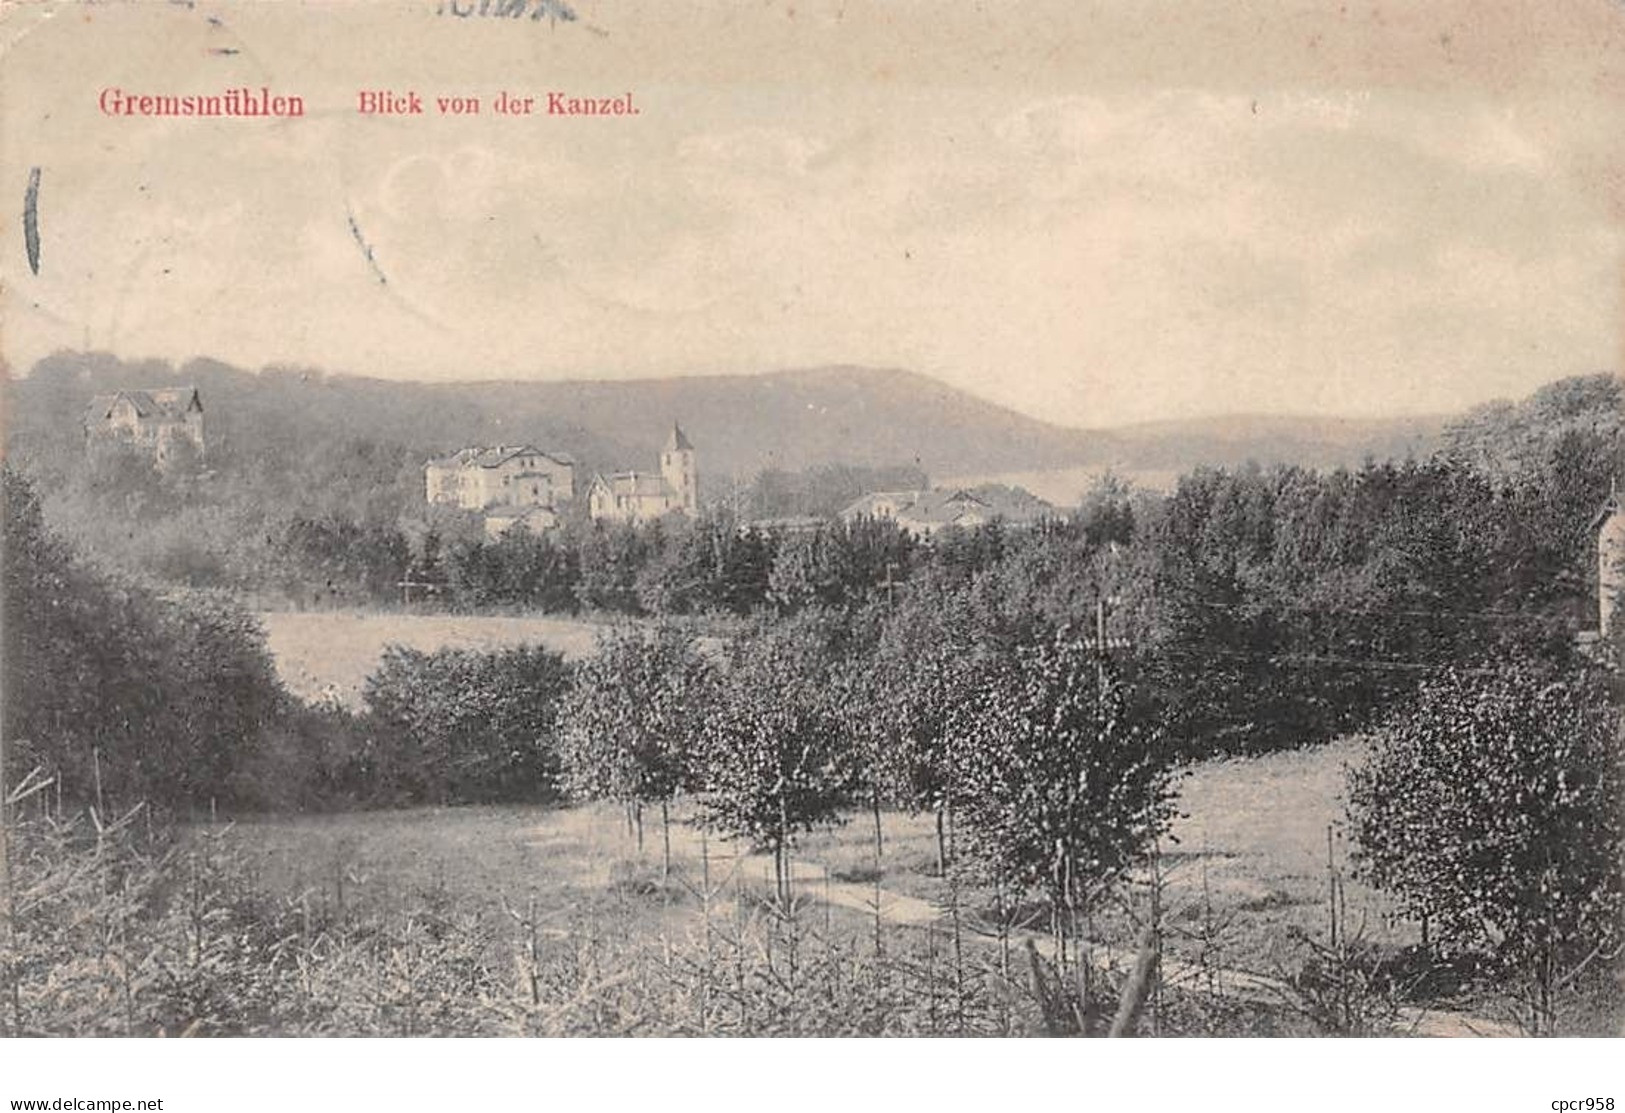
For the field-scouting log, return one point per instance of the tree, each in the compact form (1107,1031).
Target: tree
(1492,809)
(810,569)
(462,726)
(773,764)
(707,565)
(838,564)
(900,704)
(609,556)
(1066,783)
(629,726)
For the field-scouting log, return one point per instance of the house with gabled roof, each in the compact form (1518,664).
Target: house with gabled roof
(504,476)
(633,496)
(922,513)
(159,421)
(926,512)
(537,520)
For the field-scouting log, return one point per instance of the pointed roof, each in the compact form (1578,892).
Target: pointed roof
(168,402)
(677,442)
(476,457)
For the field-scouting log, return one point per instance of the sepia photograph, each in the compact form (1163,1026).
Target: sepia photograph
(571,518)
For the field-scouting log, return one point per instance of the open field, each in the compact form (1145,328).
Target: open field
(1252,835)
(1242,882)
(1249,866)
(330,654)
(1248,857)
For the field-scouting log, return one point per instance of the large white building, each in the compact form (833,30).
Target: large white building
(507,476)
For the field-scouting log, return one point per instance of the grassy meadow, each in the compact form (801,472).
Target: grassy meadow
(1249,851)
(1247,868)
(637,935)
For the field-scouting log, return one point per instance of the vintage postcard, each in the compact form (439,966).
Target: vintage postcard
(834,518)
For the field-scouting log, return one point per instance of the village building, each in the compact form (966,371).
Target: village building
(927,512)
(922,513)
(157,421)
(642,497)
(786,525)
(537,520)
(508,477)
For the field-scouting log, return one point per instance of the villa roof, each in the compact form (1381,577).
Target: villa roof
(934,506)
(170,402)
(497,456)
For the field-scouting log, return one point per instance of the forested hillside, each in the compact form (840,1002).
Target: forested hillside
(311,494)
(790,421)
(1252,607)
(312,488)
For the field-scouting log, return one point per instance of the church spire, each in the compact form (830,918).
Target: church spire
(677,442)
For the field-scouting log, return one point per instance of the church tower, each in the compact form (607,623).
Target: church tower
(677,468)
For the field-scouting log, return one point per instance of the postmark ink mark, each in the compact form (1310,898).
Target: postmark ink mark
(31,220)
(553,11)
(366,248)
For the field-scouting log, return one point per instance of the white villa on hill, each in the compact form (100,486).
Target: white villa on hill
(507,476)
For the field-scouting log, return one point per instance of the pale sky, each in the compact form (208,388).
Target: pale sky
(1095,214)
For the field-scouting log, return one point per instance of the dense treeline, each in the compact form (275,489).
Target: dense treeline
(303,512)
(347,523)
(121,693)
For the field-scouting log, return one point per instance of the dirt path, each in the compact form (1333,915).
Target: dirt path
(812,880)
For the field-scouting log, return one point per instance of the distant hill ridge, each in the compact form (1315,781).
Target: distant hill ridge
(739,423)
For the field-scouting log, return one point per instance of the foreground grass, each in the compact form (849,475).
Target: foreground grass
(523,920)
(1247,862)
(1245,871)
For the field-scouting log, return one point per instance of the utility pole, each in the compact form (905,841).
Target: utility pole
(1100,647)
(1100,643)
(889,583)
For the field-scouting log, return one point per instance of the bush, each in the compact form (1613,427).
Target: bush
(1491,808)
(459,726)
